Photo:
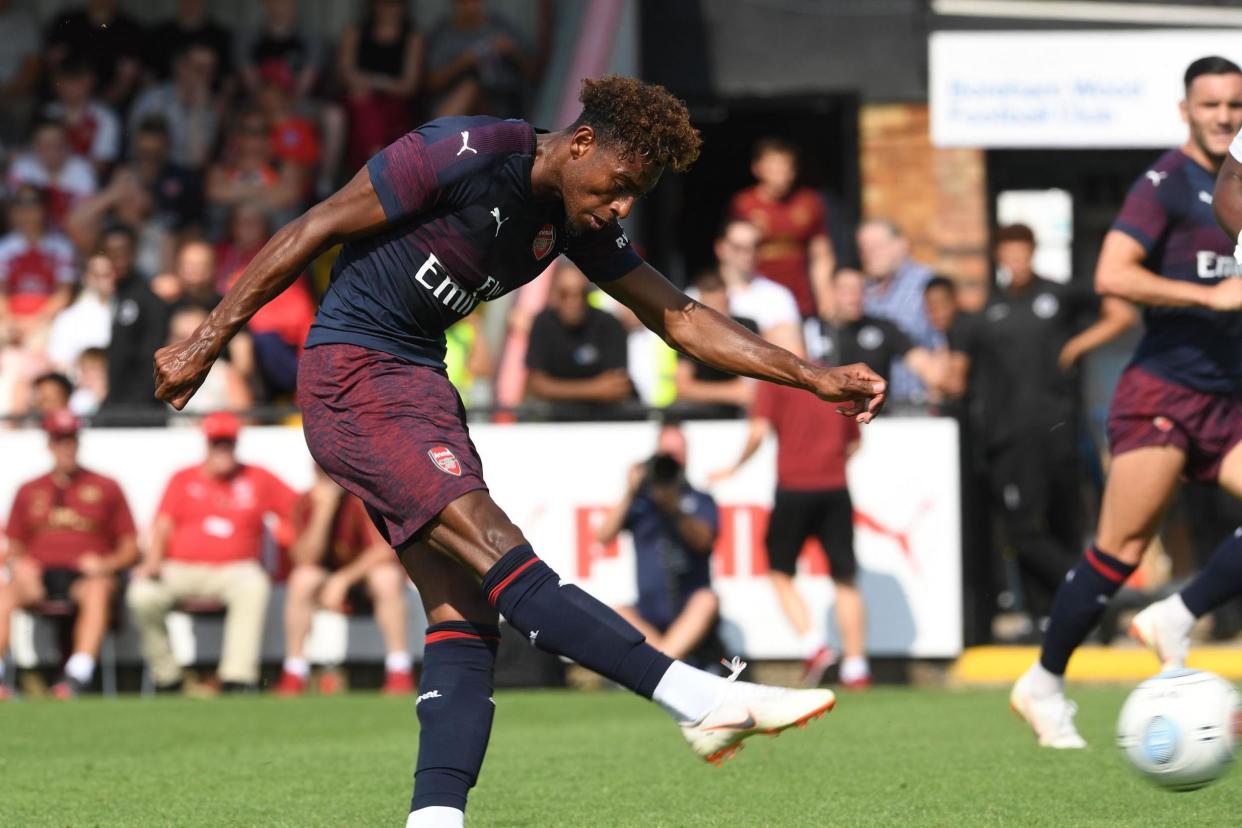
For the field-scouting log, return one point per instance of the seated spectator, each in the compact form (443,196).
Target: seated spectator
(19,71)
(294,139)
(91,382)
(339,561)
(650,363)
(139,328)
(794,250)
(379,61)
(113,40)
(894,291)
(70,533)
(188,105)
(124,202)
(278,331)
(250,175)
(94,130)
(225,387)
(51,165)
(176,191)
(37,275)
(192,26)
(206,542)
(674,527)
(729,394)
(249,230)
(577,353)
(193,281)
(477,64)
(50,393)
(87,323)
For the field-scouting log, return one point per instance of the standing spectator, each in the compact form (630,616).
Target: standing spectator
(477,64)
(250,174)
(206,543)
(812,500)
(36,270)
(70,534)
(176,191)
(192,26)
(577,353)
(674,527)
(19,71)
(940,299)
(87,323)
(124,202)
(895,285)
(92,127)
(794,249)
(139,327)
(113,41)
(51,165)
(729,394)
(188,105)
(340,559)
(379,61)
(225,387)
(277,333)
(1026,408)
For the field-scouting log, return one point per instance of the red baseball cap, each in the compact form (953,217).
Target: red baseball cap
(61,423)
(222,425)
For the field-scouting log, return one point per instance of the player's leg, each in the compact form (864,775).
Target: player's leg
(794,519)
(836,535)
(454,706)
(244,588)
(149,601)
(1139,485)
(23,588)
(93,596)
(386,585)
(692,624)
(301,588)
(1165,626)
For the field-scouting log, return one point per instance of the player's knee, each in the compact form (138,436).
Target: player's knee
(147,599)
(386,582)
(304,579)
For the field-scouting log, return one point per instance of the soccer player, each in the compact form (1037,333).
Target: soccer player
(1177,409)
(70,535)
(459,211)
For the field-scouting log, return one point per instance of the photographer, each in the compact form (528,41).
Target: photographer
(674,527)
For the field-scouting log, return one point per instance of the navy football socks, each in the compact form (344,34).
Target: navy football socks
(562,619)
(455,712)
(1219,581)
(1079,603)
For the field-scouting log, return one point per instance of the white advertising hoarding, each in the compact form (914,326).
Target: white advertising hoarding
(556,481)
(1105,89)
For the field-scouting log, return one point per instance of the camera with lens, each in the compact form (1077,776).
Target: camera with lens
(664,470)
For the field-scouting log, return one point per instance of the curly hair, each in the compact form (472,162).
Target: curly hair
(641,120)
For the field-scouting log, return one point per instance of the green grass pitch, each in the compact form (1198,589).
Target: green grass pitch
(891,757)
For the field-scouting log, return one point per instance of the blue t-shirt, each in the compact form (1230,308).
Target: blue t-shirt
(1169,212)
(669,571)
(463,228)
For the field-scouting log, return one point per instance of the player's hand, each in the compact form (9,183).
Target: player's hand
(613,386)
(180,369)
(333,593)
(720,475)
(1226,296)
(864,389)
(325,494)
(1069,356)
(147,570)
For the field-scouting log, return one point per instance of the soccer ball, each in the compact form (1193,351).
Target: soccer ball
(1178,728)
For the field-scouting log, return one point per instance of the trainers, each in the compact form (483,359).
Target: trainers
(745,709)
(290,684)
(67,689)
(1157,627)
(398,683)
(1050,716)
(814,667)
(862,682)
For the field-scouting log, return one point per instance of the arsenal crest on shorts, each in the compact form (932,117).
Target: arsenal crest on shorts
(445,459)
(545,240)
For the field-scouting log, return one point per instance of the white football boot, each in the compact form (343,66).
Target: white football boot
(745,709)
(1050,715)
(1163,627)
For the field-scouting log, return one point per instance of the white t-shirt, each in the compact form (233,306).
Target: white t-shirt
(87,323)
(76,179)
(762,301)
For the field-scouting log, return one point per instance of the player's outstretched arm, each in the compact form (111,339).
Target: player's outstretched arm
(1120,272)
(716,340)
(1227,197)
(353,210)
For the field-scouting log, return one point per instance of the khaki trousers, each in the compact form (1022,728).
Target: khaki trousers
(243,587)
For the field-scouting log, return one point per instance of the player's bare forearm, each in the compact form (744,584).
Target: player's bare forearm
(1227,197)
(714,339)
(1116,317)
(1120,273)
(125,555)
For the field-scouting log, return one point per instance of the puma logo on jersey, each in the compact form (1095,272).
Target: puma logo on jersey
(465,143)
(430,694)
(499,220)
(1156,177)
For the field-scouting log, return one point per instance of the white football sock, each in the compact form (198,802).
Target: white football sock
(1177,612)
(687,694)
(810,642)
(436,816)
(1044,683)
(397,662)
(855,668)
(299,667)
(80,667)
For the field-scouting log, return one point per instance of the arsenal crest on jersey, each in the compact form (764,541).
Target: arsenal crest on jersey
(445,460)
(545,240)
